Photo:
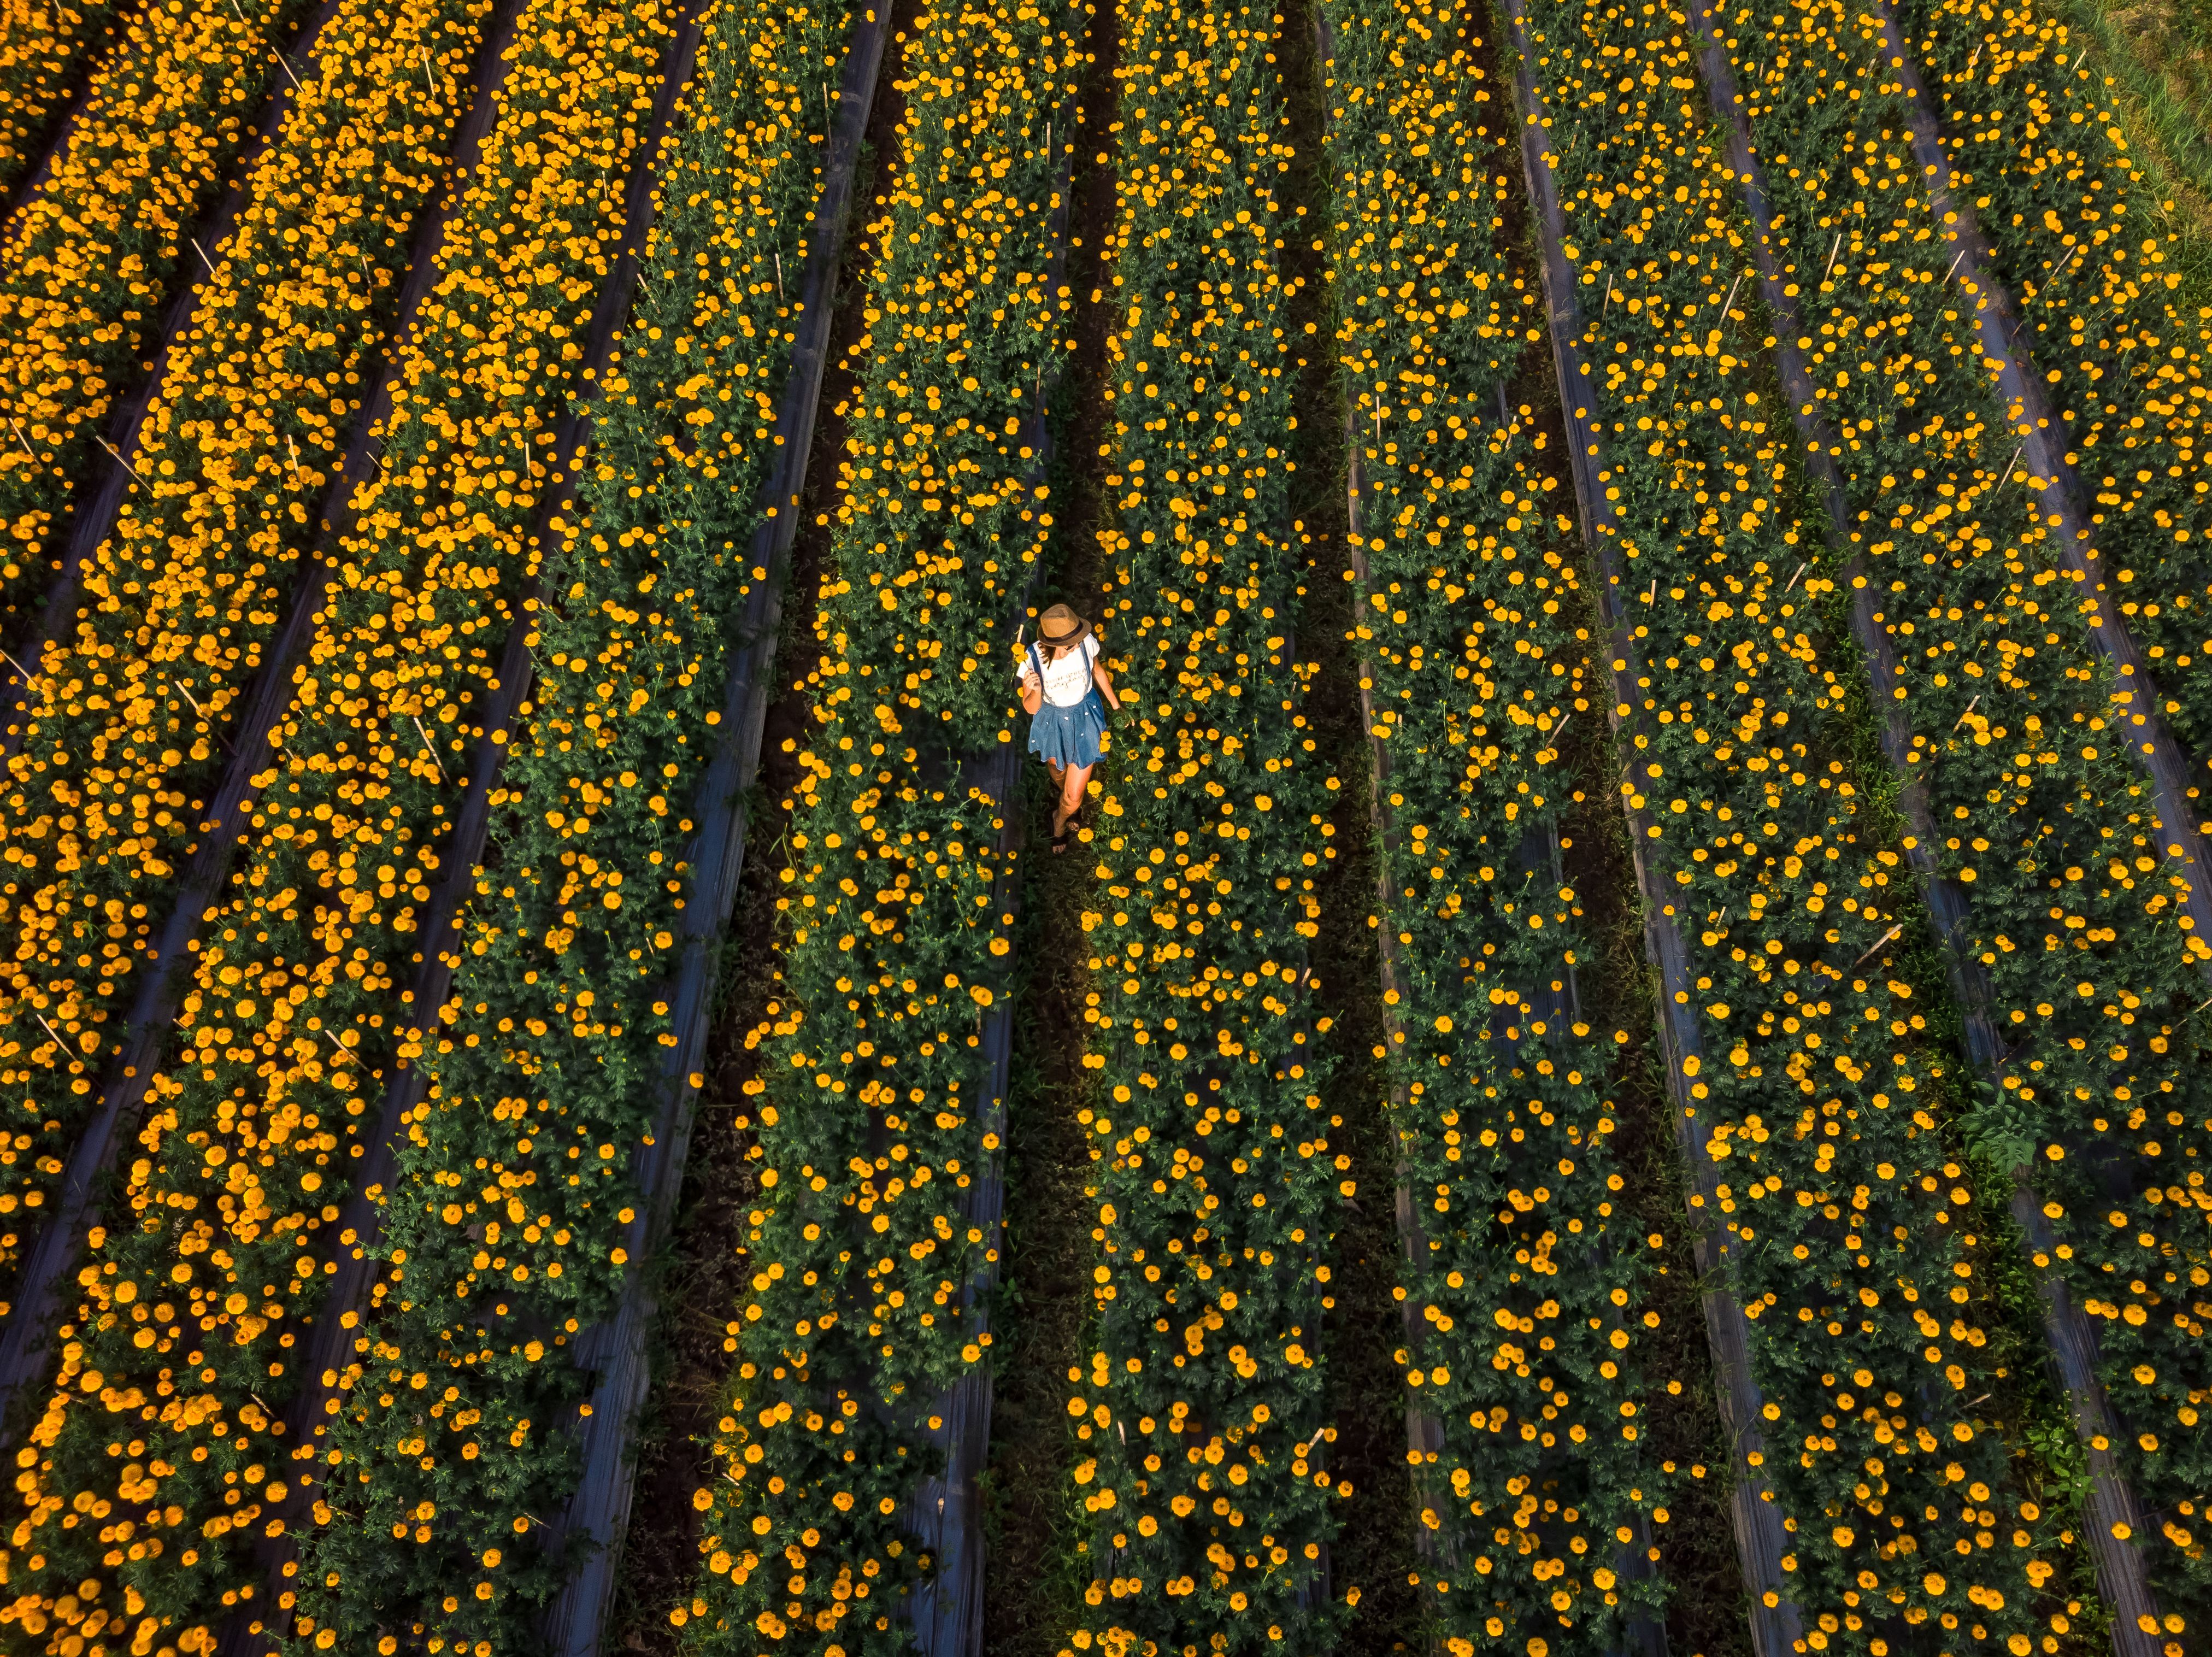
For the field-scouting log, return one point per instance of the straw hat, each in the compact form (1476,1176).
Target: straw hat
(1060,626)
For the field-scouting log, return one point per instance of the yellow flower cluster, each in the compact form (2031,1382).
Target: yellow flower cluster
(129,723)
(1819,1094)
(1521,1298)
(292,1027)
(1201,1422)
(44,46)
(92,258)
(860,1250)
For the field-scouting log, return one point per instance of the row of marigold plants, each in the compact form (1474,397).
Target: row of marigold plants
(867,1113)
(2127,349)
(511,1221)
(157,1476)
(1526,1292)
(1203,1423)
(2077,898)
(1896,1440)
(128,724)
(94,254)
(42,58)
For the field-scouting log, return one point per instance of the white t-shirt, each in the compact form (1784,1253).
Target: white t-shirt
(1067,677)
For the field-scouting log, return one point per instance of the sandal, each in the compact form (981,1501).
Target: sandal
(1060,840)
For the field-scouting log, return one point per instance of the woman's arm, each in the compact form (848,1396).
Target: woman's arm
(1105,683)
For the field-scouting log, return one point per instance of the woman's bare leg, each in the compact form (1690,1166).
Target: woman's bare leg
(1072,786)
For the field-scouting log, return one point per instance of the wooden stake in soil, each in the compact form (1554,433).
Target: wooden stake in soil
(117,455)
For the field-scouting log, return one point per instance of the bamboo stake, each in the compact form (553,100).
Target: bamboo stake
(202,714)
(1882,940)
(2193,1012)
(119,460)
(428,747)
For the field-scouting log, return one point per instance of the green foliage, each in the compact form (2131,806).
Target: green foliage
(1815,1084)
(2021,729)
(133,711)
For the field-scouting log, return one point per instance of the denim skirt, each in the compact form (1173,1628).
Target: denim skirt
(1069,736)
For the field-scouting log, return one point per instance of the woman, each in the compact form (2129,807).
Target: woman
(1062,681)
